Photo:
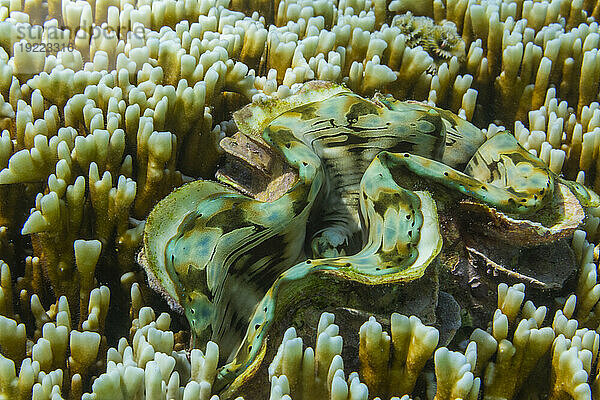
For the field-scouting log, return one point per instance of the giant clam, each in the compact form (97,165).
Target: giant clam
(326,195)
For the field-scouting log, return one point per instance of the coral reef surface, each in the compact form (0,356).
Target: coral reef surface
(107,106)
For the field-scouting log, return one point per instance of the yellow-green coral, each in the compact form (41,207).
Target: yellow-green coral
(113,101)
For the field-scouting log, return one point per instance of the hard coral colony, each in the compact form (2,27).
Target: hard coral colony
(346,198)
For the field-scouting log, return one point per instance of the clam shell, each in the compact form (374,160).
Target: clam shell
(559,219)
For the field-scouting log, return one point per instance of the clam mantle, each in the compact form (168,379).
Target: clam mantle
(329,198)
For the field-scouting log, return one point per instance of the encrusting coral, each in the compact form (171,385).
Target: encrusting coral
(106,107)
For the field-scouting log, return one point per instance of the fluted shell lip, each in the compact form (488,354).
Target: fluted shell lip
(162,224)
(255,169)
(429,247)
(255,117)
(252,167)
(559,219)
(156,284)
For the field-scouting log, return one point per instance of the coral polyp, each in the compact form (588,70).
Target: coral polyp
(148,133)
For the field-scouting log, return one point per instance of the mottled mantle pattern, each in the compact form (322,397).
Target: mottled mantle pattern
(325,188)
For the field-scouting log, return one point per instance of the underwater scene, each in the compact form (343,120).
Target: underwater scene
(299,199)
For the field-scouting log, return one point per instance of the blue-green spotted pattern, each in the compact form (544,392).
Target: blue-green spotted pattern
(363,208)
